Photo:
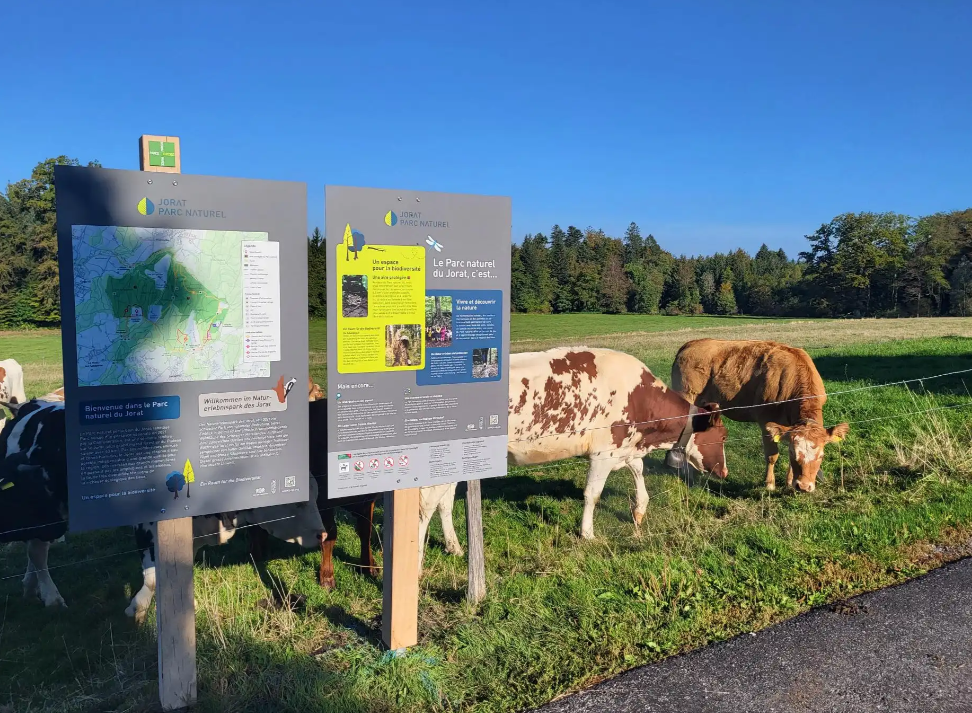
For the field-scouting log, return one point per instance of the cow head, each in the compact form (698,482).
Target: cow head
(806,441)
(299,523)
(705,450)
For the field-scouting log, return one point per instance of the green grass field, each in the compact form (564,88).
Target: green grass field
(711,561)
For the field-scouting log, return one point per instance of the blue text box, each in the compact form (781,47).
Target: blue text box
(477,327)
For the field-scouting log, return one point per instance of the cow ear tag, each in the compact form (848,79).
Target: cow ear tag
(6,486)
(837,439)
(776,438)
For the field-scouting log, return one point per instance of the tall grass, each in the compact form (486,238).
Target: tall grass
(709,562)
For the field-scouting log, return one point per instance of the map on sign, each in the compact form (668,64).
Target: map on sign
(155,305)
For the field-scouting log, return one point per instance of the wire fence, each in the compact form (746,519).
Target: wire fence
(547,466)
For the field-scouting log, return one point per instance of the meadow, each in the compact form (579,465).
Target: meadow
(711,561)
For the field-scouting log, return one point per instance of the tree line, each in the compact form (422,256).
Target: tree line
(857,265)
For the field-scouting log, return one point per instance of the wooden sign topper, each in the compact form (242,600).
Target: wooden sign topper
(159,153)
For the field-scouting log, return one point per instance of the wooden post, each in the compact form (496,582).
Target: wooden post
(175,608)
(175,613)
(474,533)
(399,607)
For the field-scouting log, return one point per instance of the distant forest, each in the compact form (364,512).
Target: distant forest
(856,265)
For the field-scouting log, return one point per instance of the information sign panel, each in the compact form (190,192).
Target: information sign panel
(418,338)
(184,332)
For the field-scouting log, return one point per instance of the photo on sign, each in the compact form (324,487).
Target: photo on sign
(438,321)
(485,363)
(354,295)
(403,345)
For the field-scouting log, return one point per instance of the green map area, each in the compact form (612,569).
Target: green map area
(156,305)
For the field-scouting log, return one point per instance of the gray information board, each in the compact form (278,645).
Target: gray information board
(184,328)
(418,338)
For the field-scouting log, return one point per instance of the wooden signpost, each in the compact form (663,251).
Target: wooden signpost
(175,609)
(476,587)
(416,365)
(400,578)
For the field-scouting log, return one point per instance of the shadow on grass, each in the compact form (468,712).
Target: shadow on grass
(886,369)
(279,595)
(521,488)
(732,488)
(242,673)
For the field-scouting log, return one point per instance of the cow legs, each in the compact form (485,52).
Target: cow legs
(427,508)
(439,498)
(448,530)
(47,590)
(30,579)
(140,603)
(258,540)
(597,476)
(325,576)
(637,468)
(772,453)
(364,515)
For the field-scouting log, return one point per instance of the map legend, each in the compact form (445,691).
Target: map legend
(261,301)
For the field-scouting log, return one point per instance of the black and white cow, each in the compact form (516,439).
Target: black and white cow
(34,505)
(33,489)
(299,523)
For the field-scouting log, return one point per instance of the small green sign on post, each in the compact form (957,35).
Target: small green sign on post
(162,153)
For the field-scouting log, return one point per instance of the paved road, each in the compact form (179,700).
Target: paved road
(905,649)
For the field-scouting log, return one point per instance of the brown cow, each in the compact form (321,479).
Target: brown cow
(362,507)
(751,379)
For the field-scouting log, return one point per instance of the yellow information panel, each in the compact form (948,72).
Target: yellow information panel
(381,310)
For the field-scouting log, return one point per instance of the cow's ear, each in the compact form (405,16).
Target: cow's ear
(776,431)
(715,415)
(838,433)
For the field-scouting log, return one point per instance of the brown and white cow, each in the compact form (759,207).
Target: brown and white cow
(314,391)
(771,384)
(11,385)
(607,406)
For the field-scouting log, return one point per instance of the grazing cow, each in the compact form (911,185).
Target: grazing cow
(605,405)
(362,507)
(12,382)
(33,489)
(299,523)
(432,498)
(767,383)
(11,386)
(33,504)
(565,402)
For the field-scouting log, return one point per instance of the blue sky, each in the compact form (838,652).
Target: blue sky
(711,124)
